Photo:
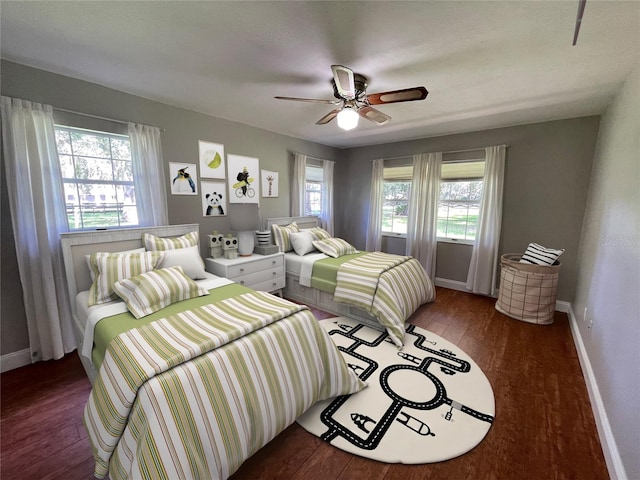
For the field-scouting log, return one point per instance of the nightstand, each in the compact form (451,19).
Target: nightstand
(259,272)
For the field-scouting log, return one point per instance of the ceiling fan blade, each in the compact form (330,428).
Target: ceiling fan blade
(328,117)
(310,100)
(395,96)
(345,83)
(581,6)
(376,116)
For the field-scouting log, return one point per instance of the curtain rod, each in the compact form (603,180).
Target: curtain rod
(449,151)
(99,117)
(313,158)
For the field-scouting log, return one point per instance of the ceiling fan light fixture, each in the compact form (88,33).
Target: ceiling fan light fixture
(348,118)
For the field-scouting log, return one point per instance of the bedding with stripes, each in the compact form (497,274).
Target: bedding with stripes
(194,394)
(389,287)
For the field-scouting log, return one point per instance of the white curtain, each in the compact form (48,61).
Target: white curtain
(483,269)
(374,228)
(148,175)
(298,184)
(38,216)
(423,210)
(327,196)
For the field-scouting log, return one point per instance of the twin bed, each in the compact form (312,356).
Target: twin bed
(191,373)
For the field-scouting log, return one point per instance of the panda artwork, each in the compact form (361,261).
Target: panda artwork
(214,206)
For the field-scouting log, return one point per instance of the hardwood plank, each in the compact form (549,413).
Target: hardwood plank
(543,428)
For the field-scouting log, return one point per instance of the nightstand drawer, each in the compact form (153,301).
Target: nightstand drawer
(254,278)
(270,285)
(245,268)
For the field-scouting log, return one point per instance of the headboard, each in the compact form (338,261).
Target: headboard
(302,222)
(76,245)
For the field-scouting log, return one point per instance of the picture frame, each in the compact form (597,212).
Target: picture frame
(212,164)
(269,184)
(242,180)
(183,178)
(214,198)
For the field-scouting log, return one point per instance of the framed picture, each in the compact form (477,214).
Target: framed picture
(269,183)
(211,160)
(243,186)
(214,199)
(183,178)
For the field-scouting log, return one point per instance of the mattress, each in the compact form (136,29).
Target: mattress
(316,270)
(97,334)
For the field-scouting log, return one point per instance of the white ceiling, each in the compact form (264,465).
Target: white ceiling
(485,64)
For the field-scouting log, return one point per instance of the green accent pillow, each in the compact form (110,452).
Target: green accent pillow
(152,291)
(112,267)
(334,247)
(281,235)
(154,244)
(319,233)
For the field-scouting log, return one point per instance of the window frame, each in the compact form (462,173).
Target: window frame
(75,182)
(310,180)
(399,170)
(461,178)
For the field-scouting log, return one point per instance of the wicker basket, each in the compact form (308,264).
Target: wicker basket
(527,292)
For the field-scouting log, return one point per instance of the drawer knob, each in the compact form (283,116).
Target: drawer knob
(274,273)
(273,262)
(242,269)
(241,282)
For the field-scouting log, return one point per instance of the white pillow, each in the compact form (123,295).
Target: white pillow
(302,242)
(188,258)
(539,255)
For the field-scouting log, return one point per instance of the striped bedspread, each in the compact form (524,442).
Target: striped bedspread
(195,394)
(390,287)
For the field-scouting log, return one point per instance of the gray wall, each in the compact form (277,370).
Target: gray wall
(546,181)
(183,129)
(608,279)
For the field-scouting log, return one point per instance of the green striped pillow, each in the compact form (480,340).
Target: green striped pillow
(319,233)
(281,235)
(112,267)
(156,244)
(334,247)
(152,291)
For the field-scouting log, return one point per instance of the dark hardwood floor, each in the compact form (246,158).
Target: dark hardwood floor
(543,428)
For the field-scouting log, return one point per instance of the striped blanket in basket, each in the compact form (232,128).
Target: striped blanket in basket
(195,394)
(389,287)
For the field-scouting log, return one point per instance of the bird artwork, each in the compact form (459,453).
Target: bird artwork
(182,178)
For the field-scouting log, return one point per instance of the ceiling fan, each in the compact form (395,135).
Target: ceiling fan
(350,90)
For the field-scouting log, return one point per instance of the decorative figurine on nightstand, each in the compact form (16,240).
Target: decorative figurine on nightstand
(230,247)
(215,244)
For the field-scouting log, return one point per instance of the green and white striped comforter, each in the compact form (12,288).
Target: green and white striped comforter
(195,394)
(389,287)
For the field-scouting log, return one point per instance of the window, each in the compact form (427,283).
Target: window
(97,173)
(396,192)
(314,178)
(460,195)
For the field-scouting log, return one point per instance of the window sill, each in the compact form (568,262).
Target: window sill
(394,235)
(456,240)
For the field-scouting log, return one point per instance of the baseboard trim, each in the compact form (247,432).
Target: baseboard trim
(607,440)
(451,284)
(562,306)
(14,360)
